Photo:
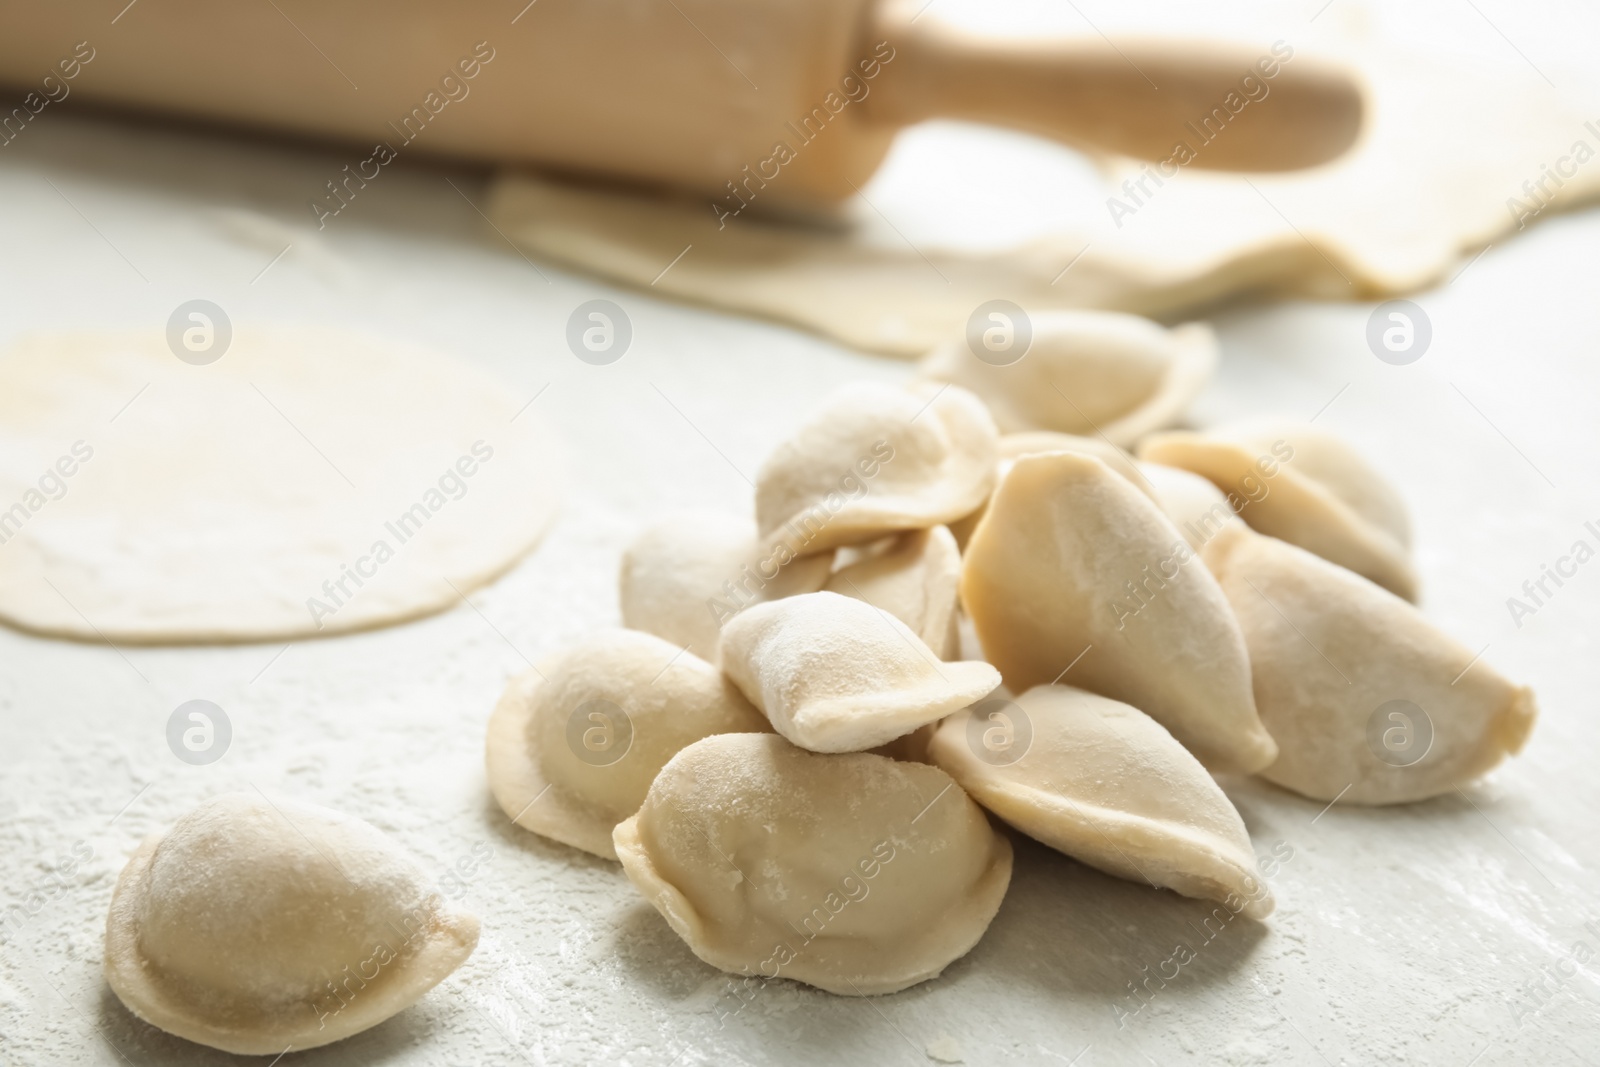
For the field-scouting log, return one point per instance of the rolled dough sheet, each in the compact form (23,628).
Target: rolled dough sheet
(1447,149)
(307,482)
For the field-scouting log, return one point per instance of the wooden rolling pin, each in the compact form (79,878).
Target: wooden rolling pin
(796,100)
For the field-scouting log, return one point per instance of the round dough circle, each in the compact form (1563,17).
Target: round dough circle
(147,500)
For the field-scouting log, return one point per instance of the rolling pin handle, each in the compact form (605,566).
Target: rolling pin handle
(1261,109)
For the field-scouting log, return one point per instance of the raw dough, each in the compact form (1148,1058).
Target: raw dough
(1196,507)
(913,577)
(1305,486)
(1074,568)
(213,503)
(835,674)
(874,460)
(1106,784)
(1013,445)
(254,924)
(574,745)
(686,574)
(1368,701)
(853,873)
(1448,146)
(1098,373)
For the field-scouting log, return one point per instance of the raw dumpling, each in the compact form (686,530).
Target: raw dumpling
(1196,507)
(1106,784)
(875,460)
(1368,701)
(1074,567)
(853,873)
(1088,372)
(253,925)
(1305,486)
(1013,445)
(914,578)
(574,745)
(684,576)
(835,674)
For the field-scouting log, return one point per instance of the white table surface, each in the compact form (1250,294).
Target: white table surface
(1402,935)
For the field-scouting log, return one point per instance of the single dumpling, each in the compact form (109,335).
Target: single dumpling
(1106,784)
(1075,569)
(1015,445)
(835,674)
(913,577)
(1196,507)
(574,745)
(1305,486)
(875,460)
(853,873)
(1368,700)
(1089,373)
(687,574)
(254,925)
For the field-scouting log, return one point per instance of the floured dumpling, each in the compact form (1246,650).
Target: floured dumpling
(1106,784)
(914,578)
(835,674)
(1365,697)
(875,460)
(1074,567)
(1196,507)
(1087,373)
(253,925)
(573,746)
(1305,486)
(853,873)
(685,575)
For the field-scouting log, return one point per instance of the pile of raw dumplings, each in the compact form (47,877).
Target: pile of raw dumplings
(791,757)
(793,762)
